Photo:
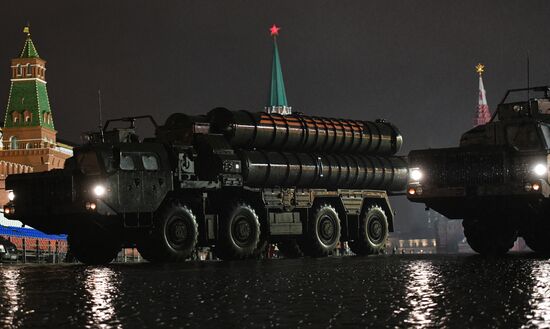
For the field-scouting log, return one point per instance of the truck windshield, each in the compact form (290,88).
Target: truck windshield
(523,137)
(546,133)
(88,163)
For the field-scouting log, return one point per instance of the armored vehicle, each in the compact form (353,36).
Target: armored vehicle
(232,180)
(497,180)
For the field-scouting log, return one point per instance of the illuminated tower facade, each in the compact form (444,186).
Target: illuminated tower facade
(29,136)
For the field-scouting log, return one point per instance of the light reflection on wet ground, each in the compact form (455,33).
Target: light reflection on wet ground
(387,291)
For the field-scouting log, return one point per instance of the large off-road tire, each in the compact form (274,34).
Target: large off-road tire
(93,246)
(263,244)
(537,237)
(290,248)
(488,236)
(373,233)
(174,236)
(323,232)
(239,232)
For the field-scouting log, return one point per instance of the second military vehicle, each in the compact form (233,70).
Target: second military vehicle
(234,180)
(497,180)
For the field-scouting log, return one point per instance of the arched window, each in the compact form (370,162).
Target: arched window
(19,70)
(16,116)
(28,116)
(13,143)
(28,146)
(29,69)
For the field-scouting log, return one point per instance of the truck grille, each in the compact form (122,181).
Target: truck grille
(459,167)
(41,191)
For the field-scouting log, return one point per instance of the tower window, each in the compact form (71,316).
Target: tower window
(13,143)
(29,70)
(28,116)
(15,116)
(19,70)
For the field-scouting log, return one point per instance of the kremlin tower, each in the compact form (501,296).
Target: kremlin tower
(483,113)
(277,102)
(29,136)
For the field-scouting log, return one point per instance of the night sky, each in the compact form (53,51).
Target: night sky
(410,62)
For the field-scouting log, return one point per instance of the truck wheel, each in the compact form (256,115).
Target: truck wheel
(323,232)
(174,237)
(263,243)
(290,248)
(373,233)
(489,237)
(239,233)
(91,248)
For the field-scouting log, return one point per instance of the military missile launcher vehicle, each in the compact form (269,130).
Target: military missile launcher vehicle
(497,180)
(232,180)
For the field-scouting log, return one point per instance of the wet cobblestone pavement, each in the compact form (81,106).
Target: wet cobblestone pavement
(455,291)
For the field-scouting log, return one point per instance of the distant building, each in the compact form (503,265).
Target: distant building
(28,140)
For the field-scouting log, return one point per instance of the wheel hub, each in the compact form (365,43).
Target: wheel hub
(178,232)
(375,230)
(242,230)
(326,228)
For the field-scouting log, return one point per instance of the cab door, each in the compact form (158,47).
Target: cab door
(153,181)
(130,182)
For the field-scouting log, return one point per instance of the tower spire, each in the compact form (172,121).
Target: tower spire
(277,102)
(483,113)
(29,50)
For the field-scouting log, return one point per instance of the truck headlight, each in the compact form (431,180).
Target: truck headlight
(540,169)
(11,195)
(416,174)
(99,190)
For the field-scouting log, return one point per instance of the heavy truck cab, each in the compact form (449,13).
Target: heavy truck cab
(497,180)
(111,186)
(132,178)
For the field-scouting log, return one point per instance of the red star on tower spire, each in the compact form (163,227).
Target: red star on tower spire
(274,30)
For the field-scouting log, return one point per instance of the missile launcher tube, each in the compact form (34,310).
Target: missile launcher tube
(261,168)
(299,133)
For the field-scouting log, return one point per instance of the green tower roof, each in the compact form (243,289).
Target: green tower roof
(29,50)
(277,95)
(28,96)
